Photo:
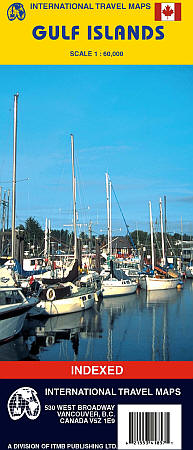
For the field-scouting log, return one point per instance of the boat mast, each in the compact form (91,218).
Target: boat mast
(162,233)
(3,220)
(90,243)
(110,218)
(74,199)
(49,239)
(152,243)
(0,200)
(14,175)
(165,227)
(46,239)
(181,242)
(108,214)
(8,196)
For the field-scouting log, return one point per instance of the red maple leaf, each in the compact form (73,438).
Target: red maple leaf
(168,11)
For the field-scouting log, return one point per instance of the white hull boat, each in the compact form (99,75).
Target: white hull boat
(11,326)
(114,287)
(13,310)
(155,284)
(74,303)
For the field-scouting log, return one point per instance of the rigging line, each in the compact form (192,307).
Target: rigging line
(127,226)
(156,238)
(119,206)
(171,246)
(17,181)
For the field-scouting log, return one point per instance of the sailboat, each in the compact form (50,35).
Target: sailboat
(163,279)
(116,287)
(59,297)
(156,283)
(13,304)
(113,286)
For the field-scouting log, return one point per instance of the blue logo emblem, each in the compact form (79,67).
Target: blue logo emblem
(16,10)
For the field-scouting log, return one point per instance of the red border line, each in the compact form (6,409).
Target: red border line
(92,370)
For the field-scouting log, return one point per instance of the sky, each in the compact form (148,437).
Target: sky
(136,122)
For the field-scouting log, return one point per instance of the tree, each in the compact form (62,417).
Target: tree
(84,237)
(33,232)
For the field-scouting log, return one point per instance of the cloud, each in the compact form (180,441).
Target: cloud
(185,199)
(106,148)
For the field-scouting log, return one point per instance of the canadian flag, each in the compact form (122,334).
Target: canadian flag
(167,11)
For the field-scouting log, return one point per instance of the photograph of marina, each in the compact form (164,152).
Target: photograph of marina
(96,225)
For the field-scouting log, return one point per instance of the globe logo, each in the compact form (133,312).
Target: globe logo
(24,401)
(16,10)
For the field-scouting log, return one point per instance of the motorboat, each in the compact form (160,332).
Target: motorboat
(114,287)
(14,306)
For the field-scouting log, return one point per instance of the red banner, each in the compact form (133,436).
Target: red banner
(92,370)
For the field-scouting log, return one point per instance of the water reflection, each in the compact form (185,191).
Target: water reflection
(115,307)
(143,326)
(14,350)
(119,304)
(162,297)
(43,334)
(160,339)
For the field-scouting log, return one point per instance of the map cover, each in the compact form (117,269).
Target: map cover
(96,229)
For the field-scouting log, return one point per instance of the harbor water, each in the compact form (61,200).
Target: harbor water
(154,326)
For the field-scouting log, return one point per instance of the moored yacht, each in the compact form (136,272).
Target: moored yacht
(63,299)
(153,283)
(13,306)
(114,287)
(160,278)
